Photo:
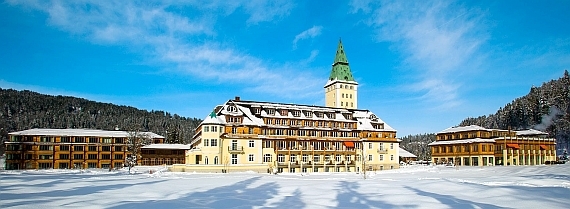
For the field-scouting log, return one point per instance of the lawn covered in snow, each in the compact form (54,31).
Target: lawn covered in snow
(412,187)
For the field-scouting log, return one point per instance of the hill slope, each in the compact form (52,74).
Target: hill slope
(545,108)
(22,110)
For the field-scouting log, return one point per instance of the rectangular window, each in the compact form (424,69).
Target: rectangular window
(63,156)
(337,158)
(45,157)
(391,145)
(93,140)
(280,158)
(92,148)
(267,144)
(250,158)
(77,148)
(206,128)
(305,158)
(106,156)
(317,158)
(64,147)
(66,139)
(92,156)
(107,140)
(251,143)
(214,129)
(79,139)
(91,165)
(293,158)
(267,158)
(46,147)
(213,142)
(106,148)
(369,145)
(45,165)
(234,159)
(46,139)
(206,142)
(381,158)
(118,148)
(77,156)
(369,157)
(119,140)
(234,130)
(118,156)
(392,157)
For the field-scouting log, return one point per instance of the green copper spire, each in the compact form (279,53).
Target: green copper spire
(340,68)
(213,114)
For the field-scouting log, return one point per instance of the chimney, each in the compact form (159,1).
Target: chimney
(237,98)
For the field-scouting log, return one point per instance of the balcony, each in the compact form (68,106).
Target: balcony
(235,150)
(382,151)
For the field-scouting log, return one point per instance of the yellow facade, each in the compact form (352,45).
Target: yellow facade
(478,146)
(341,95)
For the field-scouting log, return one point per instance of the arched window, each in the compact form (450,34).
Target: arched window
(216,160)
(206,160)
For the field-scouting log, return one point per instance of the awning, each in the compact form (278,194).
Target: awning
(515,146)
(349,144)
(543,147)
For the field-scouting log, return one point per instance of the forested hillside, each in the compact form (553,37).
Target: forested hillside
(22,110)
(545,108)
(418,145)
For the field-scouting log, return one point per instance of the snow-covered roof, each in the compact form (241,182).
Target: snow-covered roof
(464,128)
(405,153)
(166,146)
(530,132)
(462,141)
(212,119)
(364,119)
(79,132)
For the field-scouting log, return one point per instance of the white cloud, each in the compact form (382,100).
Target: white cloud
(169,37)
(439,40)
(309,33)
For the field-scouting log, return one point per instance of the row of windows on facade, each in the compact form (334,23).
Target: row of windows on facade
(310,123)
(473,135)
(67,139)
(317,145)
(268,158)
(75,165)
(22,147)
(340,86)
(297,113)
(62,157)
(487,148)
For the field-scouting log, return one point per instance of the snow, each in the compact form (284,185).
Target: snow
(409,187)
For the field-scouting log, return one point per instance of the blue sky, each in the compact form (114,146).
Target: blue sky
(422,66)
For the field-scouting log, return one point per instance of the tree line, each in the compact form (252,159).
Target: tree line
(21,110)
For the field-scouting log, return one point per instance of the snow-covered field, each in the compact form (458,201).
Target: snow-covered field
(412,187)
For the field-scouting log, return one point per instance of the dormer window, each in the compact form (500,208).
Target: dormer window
(319,114)
(270,111)
(331,115)
(283,112)
(257,110)
(373,117)
(296,113)
(308,114)
(232,109)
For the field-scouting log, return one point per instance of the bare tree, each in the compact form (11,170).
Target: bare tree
(135,141)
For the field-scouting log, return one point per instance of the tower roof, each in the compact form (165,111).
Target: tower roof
(340,69)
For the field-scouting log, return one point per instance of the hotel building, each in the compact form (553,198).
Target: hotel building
(69,148)
(242,135)
(477,146)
